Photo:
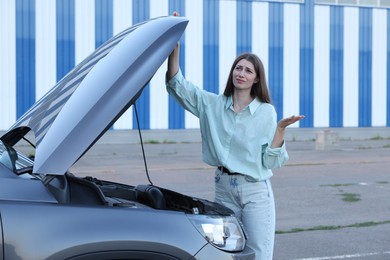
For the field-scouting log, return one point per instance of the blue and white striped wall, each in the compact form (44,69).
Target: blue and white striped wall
(329,63)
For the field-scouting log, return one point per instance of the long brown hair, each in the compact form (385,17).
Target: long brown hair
(260,88)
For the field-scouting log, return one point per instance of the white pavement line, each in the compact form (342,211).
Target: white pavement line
(346,256)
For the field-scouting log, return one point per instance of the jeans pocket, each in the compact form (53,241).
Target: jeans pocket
(269,188)
(250,179)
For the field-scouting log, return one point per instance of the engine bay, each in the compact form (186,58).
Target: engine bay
(121,195)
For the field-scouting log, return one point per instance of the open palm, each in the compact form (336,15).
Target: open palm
(285,122)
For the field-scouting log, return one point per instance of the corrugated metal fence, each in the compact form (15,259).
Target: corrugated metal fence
(329,63)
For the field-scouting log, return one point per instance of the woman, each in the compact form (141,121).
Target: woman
(240,136)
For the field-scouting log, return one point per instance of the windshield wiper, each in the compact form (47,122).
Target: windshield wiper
(27,169)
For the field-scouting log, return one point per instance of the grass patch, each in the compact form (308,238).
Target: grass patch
(350,197)
(361,147)
(377,137)
(152,141)
(337,185)
(168,142)
(319,228)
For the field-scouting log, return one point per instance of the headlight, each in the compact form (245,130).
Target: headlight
(224,232)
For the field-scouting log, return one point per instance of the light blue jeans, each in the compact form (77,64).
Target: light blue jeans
(253,203)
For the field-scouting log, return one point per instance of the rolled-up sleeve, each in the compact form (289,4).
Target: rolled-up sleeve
(274,157)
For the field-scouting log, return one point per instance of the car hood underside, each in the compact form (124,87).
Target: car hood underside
(81,107)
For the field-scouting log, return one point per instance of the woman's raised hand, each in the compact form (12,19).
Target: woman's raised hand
(285,122)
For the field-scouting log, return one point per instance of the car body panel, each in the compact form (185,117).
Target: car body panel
(32,188)
(124,231)
(208,252)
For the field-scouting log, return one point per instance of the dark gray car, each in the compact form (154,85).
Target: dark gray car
(49,213)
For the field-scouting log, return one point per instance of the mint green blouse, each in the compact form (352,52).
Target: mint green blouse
(241,141)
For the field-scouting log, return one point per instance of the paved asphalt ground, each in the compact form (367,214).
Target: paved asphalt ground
(330,204)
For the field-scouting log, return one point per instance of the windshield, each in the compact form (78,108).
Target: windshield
(13,160)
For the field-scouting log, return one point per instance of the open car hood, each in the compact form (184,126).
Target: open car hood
(81,107)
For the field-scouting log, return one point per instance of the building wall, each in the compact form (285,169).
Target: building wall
(329,63)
